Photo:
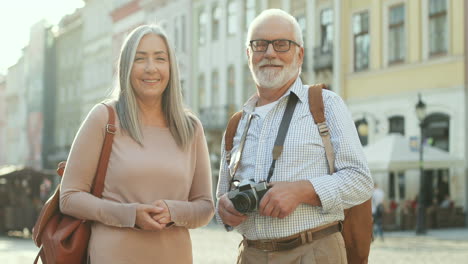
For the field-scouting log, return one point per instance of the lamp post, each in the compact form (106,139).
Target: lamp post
(421,220)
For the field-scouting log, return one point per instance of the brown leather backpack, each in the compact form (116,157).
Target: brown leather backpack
(357,225)
(64,239)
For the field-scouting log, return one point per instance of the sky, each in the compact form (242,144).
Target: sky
(16,19)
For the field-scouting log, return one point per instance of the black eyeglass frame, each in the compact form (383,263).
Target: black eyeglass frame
(271,42)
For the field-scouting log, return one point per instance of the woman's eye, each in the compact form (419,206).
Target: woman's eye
(161,59)
(138,59)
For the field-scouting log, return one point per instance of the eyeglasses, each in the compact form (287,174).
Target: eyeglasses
(279,45)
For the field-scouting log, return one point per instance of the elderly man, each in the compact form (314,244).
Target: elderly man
(304,202)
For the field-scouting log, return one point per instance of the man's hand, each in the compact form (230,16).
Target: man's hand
(163,217)
(144,218)
(284,197)
(228,213)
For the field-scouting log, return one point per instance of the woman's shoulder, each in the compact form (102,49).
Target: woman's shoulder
(192,118)
(99,113)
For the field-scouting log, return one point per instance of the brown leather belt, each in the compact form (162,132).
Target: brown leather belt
(296,240)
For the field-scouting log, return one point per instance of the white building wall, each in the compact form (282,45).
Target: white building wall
(16,146)
(176,19)
(220,54)
(377,110)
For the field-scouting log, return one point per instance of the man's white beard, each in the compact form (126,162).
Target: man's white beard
(271,78)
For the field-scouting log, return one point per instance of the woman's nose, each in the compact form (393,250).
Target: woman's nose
(150,66)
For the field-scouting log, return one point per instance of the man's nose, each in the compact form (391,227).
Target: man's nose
(270,51)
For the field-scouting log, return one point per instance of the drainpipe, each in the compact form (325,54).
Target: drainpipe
(466,107)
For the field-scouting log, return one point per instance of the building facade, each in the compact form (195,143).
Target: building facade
(68,82)
(97,53)
(391,52)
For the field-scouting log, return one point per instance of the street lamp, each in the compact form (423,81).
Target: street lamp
(421,221)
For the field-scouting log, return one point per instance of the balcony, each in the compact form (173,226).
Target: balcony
(216,117)
(323,58)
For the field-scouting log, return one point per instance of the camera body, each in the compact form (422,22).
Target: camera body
(247,195)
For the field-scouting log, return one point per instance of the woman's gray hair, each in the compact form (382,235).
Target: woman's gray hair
(181,122)
(275,13)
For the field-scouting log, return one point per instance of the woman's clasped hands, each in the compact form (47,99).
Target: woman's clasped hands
(153,217)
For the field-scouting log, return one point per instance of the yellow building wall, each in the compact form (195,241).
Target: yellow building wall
(405,79)
(416,74)
(413,27)
(456,25)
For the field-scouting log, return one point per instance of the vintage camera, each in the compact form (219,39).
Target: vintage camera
(247,195)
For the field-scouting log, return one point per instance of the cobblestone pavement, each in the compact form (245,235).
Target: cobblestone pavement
(212,245)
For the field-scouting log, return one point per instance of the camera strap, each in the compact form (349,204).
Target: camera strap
(282,131)
(277,149)
(236,157)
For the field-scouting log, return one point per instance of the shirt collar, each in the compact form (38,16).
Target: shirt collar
(297,88)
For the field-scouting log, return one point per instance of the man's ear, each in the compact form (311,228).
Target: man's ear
(247,51)
(301,54)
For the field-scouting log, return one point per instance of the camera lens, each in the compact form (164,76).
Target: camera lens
(244,202)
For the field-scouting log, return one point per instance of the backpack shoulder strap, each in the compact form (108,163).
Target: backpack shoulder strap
(230,133)
(317,110)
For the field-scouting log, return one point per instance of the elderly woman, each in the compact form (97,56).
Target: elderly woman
(158,181)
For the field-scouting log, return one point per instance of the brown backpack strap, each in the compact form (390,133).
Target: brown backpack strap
(318,113)
(105,153)
(230,133)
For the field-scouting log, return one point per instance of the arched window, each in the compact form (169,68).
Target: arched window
(363,131)
(436,130)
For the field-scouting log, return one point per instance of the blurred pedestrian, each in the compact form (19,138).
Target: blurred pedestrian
(158,181)
(378,210)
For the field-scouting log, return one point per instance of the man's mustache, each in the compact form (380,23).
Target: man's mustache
(269,62)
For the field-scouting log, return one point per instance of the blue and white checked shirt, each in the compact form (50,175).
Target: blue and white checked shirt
(303,158)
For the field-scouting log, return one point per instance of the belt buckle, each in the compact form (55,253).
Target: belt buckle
(264,245)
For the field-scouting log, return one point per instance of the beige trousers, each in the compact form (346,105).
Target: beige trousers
(328,250)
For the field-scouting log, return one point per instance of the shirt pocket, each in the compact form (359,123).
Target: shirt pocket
(303,146)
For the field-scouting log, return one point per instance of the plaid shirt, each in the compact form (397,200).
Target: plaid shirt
(303,158)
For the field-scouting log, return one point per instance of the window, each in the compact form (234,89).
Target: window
(362,129)
(361,41)
(232,17)
(202,27)
(326,29)
(437,27)
(301,20)
(215,88)
(400,184)
(250,12)
(436,131)
(231,85)
(183,33)
(201,91)
(396,124)
(231,89)
(249,84)
(396,34)
(216,19)
(176,33)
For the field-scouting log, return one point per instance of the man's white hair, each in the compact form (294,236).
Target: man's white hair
(275,13)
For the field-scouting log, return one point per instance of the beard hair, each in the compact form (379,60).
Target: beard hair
(273,78)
